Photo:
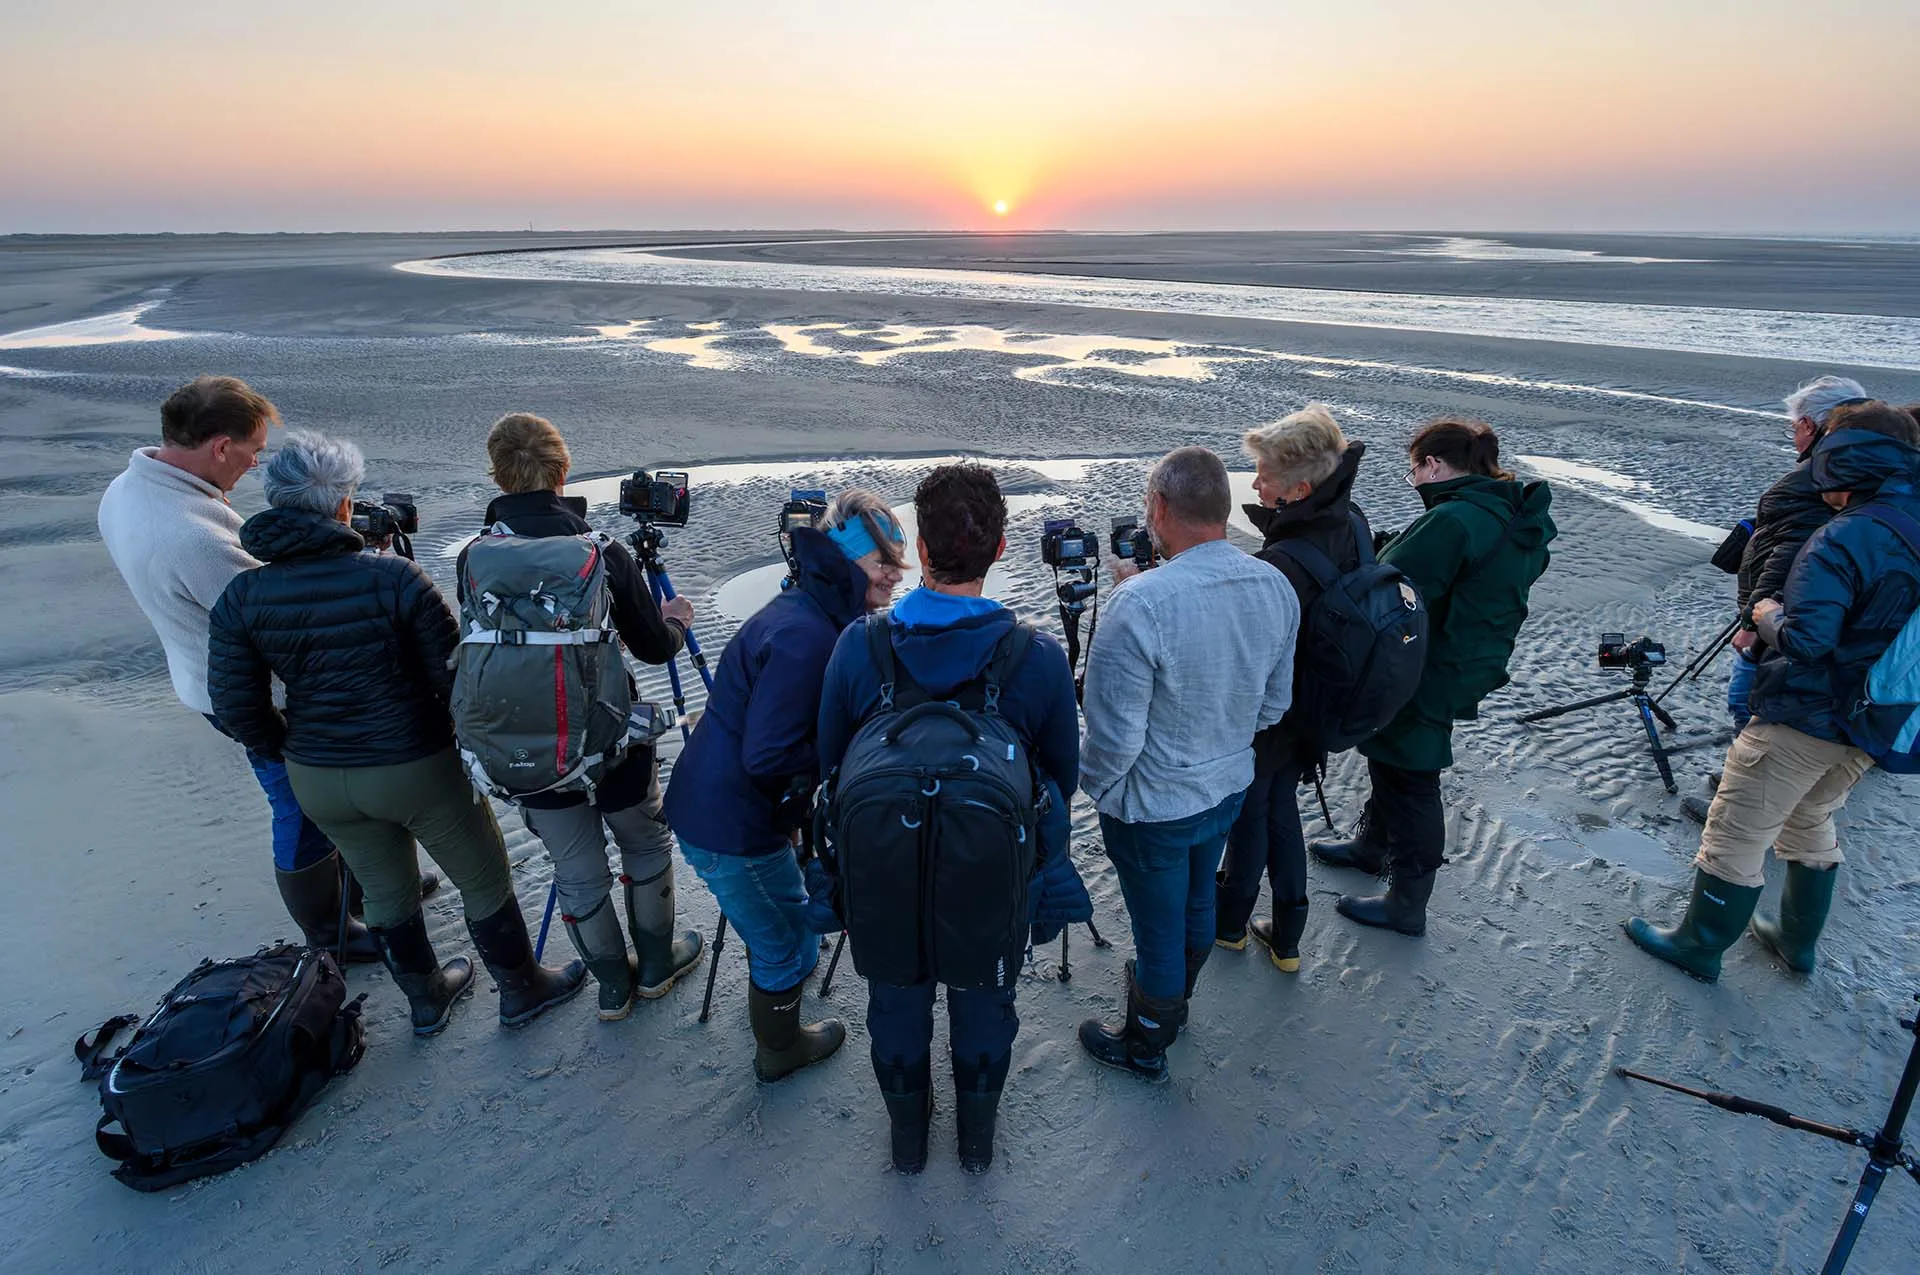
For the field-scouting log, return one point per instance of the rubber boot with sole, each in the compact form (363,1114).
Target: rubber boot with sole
(976,1110)
(596,936)
(527,988)
(908,1093)
(312,896)
(1805,900)
(1195,962)
(430,987)
(1403,908)
(1363,851)
(1716,914)
(663,956)
(1138,1043)
(1282,935)
(782,1045)
(1230,916)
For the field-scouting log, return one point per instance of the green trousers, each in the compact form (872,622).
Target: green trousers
(374,814)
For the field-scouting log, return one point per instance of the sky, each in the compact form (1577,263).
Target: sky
(1123,114)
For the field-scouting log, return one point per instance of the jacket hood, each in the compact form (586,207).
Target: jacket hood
(825,574)
(1330,500)
(1859,460)
(273,535)
(944,641)
(1524,505)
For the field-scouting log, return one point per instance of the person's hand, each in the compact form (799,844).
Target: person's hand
(1766,607)
(1745,640)
(679,610)
(1124,569)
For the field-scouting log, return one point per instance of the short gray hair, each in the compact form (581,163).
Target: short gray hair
(1821,395)
(1192,484)
(313,472)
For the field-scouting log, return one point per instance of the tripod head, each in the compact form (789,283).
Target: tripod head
(646,541)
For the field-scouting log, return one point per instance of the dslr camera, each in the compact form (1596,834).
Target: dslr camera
(660,497)
(1129,541)
(1641,653)
(1064,547)
(394,514)
(804,507)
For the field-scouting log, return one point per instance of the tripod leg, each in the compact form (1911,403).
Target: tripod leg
(713,966)
(1066,970)
(1098,941)
(546,921)
(1856,1218)
(1659,749)
(1575,707)
(833,963)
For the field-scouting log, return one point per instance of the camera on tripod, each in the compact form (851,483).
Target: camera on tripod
(1130,541)
(805,507)
(1641,653)
(1064,547)
(394,514)
(660,497)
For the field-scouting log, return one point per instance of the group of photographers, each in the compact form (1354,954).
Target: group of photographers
(333,667)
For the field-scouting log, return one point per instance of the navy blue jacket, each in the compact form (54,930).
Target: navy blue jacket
(755,740)
(943,643)
(1849,592)
(361,640)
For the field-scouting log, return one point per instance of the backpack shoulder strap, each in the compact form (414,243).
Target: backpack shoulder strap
(1362,538)
(1310,560)
(1008,655)
(1499,543)
(880,650)
(1896,520)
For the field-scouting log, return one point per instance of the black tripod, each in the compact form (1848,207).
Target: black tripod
(1884,1149)
(1648,706)
(1699,663)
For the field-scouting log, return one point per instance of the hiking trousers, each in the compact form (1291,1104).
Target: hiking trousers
(576,840)
(1779,789)
(374,814)
(1266,837)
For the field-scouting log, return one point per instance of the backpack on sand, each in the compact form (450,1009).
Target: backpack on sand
(933,819)
(1883,717)
(540,694)
(235,1052)
(1362,646)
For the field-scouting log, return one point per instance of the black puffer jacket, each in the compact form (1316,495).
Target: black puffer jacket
(647,636)
(361,641)
(1323,520)
(1790,511)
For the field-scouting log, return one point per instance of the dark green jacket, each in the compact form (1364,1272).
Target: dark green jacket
(1473,555)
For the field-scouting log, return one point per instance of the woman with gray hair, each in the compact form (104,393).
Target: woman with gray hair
(361,642)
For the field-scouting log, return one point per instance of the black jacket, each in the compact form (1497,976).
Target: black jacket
(1790,511)
(1325,521)
(362,642)
(647,636)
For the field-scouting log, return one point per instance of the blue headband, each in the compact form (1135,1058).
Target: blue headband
(856,540)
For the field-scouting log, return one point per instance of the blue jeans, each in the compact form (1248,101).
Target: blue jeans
(1740,690)
(297,842)
(1166,876)
(765,901)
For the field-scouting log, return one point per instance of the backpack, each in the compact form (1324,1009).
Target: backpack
(235,1052)
(1362,645)
(541,699)
(1883,717)
(933,822)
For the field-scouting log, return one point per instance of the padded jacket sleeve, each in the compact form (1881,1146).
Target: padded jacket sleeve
(239,680)
(429,626)
(783,714)
(1820,591)
(648,636)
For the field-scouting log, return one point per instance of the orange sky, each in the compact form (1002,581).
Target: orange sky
(1488,113)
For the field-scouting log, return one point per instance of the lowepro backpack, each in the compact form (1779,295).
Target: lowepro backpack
(1882,717)
(931,820)
(541,699)
(1362,646)
(218,1072)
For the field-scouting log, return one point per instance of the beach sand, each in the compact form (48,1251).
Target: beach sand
(1439,1105)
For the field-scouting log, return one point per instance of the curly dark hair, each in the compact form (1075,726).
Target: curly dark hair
(963,518)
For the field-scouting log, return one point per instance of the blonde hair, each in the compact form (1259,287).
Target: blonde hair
(1302,448)
(528,453)
(856,503)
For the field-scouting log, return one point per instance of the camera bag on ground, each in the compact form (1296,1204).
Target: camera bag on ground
(1883,715)
(931,826)
(233,1055)
(1362,645)
(541,698)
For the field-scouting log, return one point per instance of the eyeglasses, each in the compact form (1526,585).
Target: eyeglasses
(1408,476)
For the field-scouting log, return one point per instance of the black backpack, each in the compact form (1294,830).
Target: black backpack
(932,820)
(1362,645)
(235,1052)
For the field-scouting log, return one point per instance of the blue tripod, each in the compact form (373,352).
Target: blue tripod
(647,541)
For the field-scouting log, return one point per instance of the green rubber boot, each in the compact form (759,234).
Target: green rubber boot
(1804,903)
(1716,914)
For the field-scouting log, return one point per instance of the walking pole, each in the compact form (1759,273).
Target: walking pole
(713,965)
(833,963)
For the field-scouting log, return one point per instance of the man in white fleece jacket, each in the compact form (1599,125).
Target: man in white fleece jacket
(176,541)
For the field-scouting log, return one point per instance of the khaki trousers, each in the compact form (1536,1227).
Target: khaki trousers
(1780,789)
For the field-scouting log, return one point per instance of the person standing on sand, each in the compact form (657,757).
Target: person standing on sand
(1192,660)
(176,541)
(1474,556)
(1852,588)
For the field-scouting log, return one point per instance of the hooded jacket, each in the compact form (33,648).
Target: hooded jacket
(1850,591)
(362,642)
(1324,520)
(1789,512)
(647,636)
(1474,555)
(755,740)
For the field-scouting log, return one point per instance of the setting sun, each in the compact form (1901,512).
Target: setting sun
(1000,207)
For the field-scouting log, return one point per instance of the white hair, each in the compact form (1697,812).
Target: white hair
(1820,396)
(313,472)
(856,504)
